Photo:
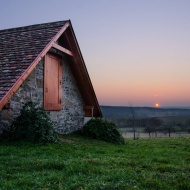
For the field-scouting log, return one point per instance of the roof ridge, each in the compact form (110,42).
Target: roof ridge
(31,27)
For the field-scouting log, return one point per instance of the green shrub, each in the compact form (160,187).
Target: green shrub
(103,130)
(33,125)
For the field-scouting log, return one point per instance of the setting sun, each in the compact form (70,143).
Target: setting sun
(157,105)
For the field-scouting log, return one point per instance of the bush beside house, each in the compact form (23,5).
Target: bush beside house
(103,130)
(33,124)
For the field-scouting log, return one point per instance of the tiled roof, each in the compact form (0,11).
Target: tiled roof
(22,48)
(18,49)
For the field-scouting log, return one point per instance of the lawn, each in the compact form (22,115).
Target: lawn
(90,164)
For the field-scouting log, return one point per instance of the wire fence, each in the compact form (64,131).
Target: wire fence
(153,135)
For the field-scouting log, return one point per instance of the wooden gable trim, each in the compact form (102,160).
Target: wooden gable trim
(80,67)
(6,106)
(60,48)
(32,66)
(77,60)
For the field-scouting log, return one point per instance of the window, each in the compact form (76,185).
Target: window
(89,111)
(52,83)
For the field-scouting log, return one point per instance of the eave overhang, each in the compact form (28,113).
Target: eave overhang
(78,68)
(21,79)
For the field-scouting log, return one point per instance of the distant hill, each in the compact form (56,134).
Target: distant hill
(125,112)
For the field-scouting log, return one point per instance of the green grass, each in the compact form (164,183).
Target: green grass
(90,164)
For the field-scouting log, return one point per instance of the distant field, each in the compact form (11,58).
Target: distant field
(153,135)
(177,119)
(128,133)
(79,163)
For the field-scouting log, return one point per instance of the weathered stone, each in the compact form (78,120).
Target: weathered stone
(39,83)
(32,75)
(68,119)
(7,115)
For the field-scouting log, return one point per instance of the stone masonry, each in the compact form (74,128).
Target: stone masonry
(67,120)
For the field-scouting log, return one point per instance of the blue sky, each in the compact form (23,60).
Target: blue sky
(135,50)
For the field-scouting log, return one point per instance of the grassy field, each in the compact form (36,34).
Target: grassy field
(89,164)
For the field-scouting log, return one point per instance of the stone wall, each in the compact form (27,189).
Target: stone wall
(67,120)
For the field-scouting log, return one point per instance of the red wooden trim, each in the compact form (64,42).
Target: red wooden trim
(32,66)
(88,107)
(77,60)
(58,78)
(60,84)
(82,70)
(64,50)
(44,99)
(6,106)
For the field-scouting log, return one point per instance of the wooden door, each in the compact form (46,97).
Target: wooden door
(52,83)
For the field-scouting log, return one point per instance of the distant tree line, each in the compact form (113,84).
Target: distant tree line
(153,125)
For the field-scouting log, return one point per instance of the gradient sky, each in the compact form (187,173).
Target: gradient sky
(136,51)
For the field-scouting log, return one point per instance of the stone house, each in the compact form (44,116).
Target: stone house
(43,63)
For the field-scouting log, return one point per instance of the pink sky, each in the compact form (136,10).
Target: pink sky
(136,51)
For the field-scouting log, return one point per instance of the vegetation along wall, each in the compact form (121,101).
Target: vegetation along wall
(68,119)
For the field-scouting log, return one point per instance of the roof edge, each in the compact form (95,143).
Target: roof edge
(86,71)
(10,93)
(32,25)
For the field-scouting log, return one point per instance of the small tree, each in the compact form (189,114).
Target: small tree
(133,120)
(152,125)
(148,129)
(170,127)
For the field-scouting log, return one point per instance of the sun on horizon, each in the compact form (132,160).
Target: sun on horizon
(157,105)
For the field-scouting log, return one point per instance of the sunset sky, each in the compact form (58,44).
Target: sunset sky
(136,51)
